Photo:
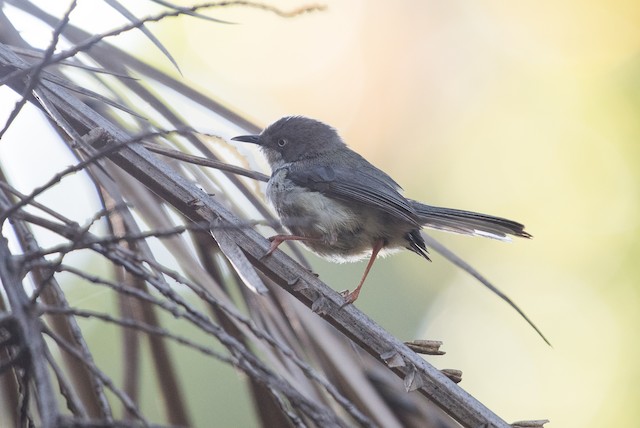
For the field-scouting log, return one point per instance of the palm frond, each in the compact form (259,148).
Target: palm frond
(178,254)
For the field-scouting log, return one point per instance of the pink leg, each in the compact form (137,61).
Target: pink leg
(351,297)
(276,240)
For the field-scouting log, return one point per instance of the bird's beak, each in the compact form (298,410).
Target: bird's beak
(254,139)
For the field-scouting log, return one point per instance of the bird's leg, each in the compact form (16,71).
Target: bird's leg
(276,240)
(351,297)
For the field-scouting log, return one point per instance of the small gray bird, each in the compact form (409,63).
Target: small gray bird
(342,207)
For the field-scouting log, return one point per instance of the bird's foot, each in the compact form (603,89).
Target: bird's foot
(275,240)
(349,297)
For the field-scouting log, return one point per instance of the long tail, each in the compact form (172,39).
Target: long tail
(468,222)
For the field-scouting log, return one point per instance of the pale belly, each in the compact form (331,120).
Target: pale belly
(339,232)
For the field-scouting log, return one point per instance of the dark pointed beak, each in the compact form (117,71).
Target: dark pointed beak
(254,139)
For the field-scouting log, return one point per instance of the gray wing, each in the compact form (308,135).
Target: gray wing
(363,183)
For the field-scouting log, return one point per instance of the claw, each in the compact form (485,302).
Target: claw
(276,240)
(275,243)
(349,297)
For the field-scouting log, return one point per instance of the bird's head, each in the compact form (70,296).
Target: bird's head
(295,138)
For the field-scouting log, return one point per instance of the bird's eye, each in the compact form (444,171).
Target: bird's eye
(282,142)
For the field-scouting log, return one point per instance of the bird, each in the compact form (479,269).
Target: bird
(343,208)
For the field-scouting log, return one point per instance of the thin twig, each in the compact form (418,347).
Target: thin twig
(35,53)
(211,163)
(106,380)
(6,186)
(106,150)
(38,67)
(139,326)
(87,44)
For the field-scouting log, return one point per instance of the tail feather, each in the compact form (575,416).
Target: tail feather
(468,222)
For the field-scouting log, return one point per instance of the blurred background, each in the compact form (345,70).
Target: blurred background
(527,110)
